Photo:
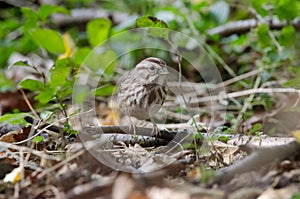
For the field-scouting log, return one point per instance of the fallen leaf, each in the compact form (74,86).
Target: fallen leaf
(13,176)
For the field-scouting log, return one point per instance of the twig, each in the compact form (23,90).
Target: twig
(68,159)
(244,93)
(177,115)
(52,188)
(271,35)
(239,78)
(92,189)
(180,81)
(207,47)
(83,15)
(41,154)
(247,103)
(162,134)
(48,126)
(144,141)
(29,104)
(22,166)
(243,26)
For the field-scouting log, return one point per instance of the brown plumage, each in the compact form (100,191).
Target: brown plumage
(142,91)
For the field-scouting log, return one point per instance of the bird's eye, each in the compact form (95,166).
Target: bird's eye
(152,68)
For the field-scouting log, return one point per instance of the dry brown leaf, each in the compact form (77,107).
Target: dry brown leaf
(13,136)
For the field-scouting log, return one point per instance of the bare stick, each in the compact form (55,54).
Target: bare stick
(244,93)
(246,105)
(29,104)
(243,26)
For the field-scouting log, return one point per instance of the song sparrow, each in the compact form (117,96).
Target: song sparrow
(142,91)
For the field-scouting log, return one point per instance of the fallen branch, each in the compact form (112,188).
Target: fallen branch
(143,141)
(84,15)
(243,26)
(257,159)
(162,134)
(223,95)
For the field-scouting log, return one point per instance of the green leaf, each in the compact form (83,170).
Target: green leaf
(38,139)
(293,83)
(49,39)
(103,61)
(259,6)
(158,28)
(104,91)
(70,131)
(32,85)
(46,115)
(65,90)
(5,52)
(256,127)
(296,195)
(263,35)
(207,174)
(224,139)
(286,9)
(80,54)
(21,63)
(148,21)
(46,10)
(31,18)
(59,72)
(287,36)
(45,96)
(5,83)
(80,93)
(8,25)
(16,118)
(98,31)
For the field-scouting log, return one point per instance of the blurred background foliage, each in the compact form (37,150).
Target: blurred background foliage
(240,37)
(27,26)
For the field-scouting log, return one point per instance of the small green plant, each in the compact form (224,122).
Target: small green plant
(296,196)
(38,139)
(16,118)
(69,130)
(206,174)
(255,130)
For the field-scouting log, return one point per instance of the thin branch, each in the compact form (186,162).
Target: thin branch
(271,35)
(29,104)
(247,104)
(52,188)
(49,125)
(83,15)
(210,51)
(162,134)
(244,93)
(239,78)
(41,154)
(243,26)
(60,164)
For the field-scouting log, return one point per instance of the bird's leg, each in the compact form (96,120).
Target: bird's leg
(155,130)
(132,126)
(153,110)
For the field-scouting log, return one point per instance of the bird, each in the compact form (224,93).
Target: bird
(142,91)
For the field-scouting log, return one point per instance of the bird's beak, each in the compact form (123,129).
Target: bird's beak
(164,71)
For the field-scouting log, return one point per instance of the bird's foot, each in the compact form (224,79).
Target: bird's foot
(155,130)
